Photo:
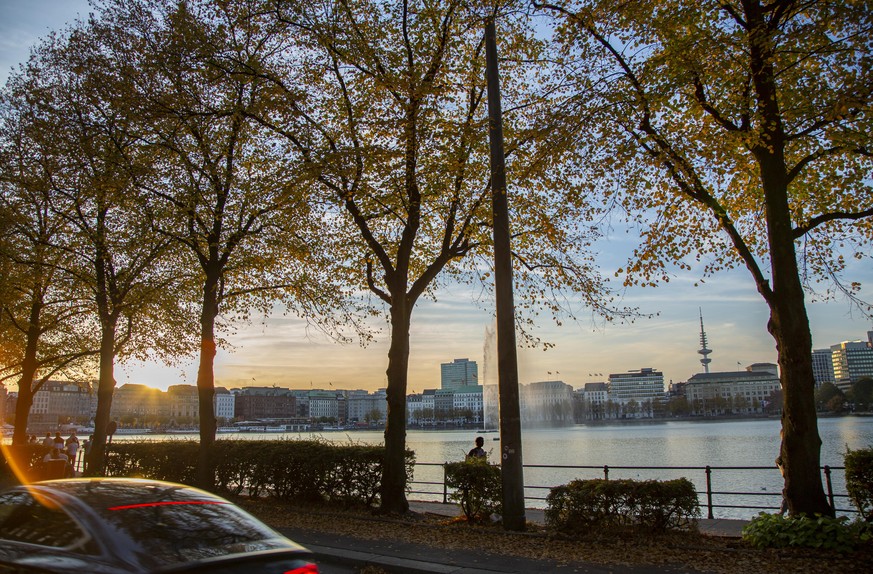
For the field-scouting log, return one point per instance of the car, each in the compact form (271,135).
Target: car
(125,525)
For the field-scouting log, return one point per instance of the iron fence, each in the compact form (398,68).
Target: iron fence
(430,482)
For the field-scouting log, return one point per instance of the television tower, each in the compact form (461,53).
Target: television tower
(705,361)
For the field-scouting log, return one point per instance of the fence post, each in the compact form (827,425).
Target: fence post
(827,471)
(445,488)
(605,472)
(709,492)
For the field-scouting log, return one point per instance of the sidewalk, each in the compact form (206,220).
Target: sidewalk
(400,557)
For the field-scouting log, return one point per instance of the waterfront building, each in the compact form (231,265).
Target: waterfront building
(593,397)
(644,385)
(414,409)
(852,361)
(443,403)
(184,403)
(224,404)
(140,402)
(459,373)
(255,403)
(547,403)
(467,402)
(323,405)
(364,407)
(58,402)
(823,366)
(737,392)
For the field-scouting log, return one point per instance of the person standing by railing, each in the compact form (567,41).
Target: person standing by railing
(73,448)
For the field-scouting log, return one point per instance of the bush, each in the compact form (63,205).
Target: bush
(658,505)
(821,532)
(477,487)
(307,471)
(859,480)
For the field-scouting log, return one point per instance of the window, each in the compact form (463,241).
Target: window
(23,519)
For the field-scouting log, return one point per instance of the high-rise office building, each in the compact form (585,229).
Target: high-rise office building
(822,366)
(645,384)
(459,373)
(852,360)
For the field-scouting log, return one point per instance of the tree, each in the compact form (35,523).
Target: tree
(225,194)
(113,253)
(43,324)
(384,102)
(738,132)
(825,393)
(862,393)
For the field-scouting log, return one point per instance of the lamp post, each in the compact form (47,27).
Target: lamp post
(512,472)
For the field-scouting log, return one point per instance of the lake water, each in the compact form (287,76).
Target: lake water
(718,444)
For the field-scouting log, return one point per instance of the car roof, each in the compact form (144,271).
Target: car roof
(158,524)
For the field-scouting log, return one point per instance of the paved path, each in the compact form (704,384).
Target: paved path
(338,554)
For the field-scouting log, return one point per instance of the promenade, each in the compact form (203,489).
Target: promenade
(345,553)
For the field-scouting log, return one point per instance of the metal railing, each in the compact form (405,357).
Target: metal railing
(708,498)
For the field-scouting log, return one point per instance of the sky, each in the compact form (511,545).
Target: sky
(280,351)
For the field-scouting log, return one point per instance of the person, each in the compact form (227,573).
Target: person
(477,452)
(72,446)
(48,440)
(86,448)
(58,442)
(55,454)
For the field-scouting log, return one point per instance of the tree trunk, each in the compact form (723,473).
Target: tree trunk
(393,493)
(789,323)
(206,383)
(105,390)
(28,372)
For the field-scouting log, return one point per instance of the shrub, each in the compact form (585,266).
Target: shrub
(307,471)
(477,487)
(821,532)
(658,505)
(859,480)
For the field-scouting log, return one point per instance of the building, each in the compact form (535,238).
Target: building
(323,405)
(255,403)
(364,407)
(822,366)
(593,397)
(467,403)
(852,361)
(459,373)
(547,403)
(224,403)
(184,404)
(737,392)
(145,404)
(61,402)
(643,385)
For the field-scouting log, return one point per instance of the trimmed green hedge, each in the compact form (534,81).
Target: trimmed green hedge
(477,487)
(859,480)
(659,505)
(820,532)
(308,471)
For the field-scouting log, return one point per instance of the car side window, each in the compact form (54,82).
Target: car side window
(24,519)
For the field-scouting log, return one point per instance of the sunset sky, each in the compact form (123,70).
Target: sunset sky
(280,351)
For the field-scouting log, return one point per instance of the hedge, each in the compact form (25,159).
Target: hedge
(285,469)
(477,487)
(658,505)
(859,480)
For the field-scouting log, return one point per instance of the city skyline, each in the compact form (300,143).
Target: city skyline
(281,351)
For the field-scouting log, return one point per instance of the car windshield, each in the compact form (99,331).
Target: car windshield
(173,524)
